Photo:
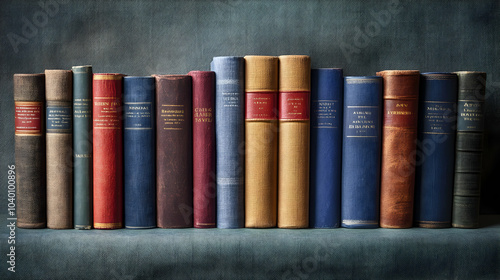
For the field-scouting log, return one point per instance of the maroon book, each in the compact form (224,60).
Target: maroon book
(204,183)
(174,151)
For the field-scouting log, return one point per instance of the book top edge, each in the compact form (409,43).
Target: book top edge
(171,77)
(108,76)
(438,73)
(201,73)
(81,66)
(327,69)
(469,72)
(138,77)
(363,77)
(57,71)
(29,75)
(398,73)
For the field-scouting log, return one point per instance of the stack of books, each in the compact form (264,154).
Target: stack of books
(257,142)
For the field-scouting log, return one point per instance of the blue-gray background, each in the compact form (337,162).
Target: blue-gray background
(171,37)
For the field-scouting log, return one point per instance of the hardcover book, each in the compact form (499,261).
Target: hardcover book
(293,157)
(469,149)
(229,139)
(59,137)
(174,151)
(399,135)
(326,147)
(435,150)
(261,141)
(82,147)
(29,97)
(108,150)
(139,153)
(361,151)
(204,177)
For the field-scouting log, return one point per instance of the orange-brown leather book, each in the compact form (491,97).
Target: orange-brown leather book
(59,120)
(293,143)
(261,138)
(399,135)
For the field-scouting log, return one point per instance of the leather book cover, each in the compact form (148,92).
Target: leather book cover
(293,141)
(327,90)
(29,103)
(82,147)
(59,147)
(108,150)
(139,152)
(229,139)
(261,141)
(204,181)
(469,148)
(399,135)
(435,150)
(361,151)
(174,151)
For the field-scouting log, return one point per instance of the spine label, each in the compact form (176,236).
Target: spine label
(294,105)
(172,117)
(361,121)
(107,112)
(203,115)
(59,118)
(400,113)
(261,105)
(28,118)
(138,115)
(439,117)
(470,115)
(325,114)
(81,108)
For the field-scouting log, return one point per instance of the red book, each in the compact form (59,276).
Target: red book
(204,184)
(108,151)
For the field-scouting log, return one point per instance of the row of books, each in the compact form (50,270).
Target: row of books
(258,141)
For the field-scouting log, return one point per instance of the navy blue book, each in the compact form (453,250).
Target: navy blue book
(326,147)
(435,150)
(361,151)
(229,139)
(139,152)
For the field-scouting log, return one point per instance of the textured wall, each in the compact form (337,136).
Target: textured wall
(169,37)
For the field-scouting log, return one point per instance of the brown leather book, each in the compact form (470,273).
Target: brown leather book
(293,143)
(399,135)
(174,151)
(29,96)
(261,141)
(59,128)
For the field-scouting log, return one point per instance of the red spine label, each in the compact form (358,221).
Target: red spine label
(294,105)
(261,105)
(28,118)
(107,113)
(400,113)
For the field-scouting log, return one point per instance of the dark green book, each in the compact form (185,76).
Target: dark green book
(469,149)
(82,146)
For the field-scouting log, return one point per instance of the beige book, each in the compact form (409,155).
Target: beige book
(59,91)
(261,141)
(293,154)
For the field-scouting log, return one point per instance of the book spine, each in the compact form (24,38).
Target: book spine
(139,172)
(293,141)
(469,149)
(435,150)
(326,147)
(361,152)
(29,97)
(108,151)
(174,151)
(261,141)
(229,139)
(399,135)
(82,147)
(59,140)
(204,180)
